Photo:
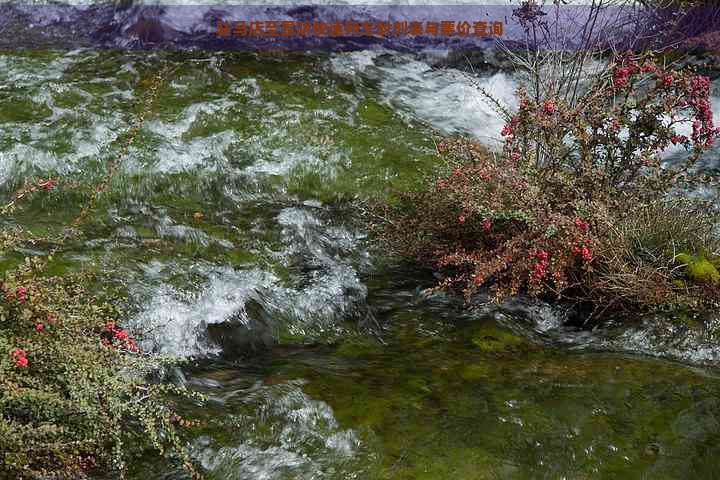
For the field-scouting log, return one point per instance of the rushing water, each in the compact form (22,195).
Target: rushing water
(232,229)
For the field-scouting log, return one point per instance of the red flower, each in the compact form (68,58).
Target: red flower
(121,334)
(549,107)
(675,139)
(21,292)
(539,268)
(620,77)
(47,184)
(486,224)
(110,326)
(461,218)
(478,280)
(648,67)
(668,79)
(507,130)
(582,224)
(39,327)
(585,252)
(699,86)
(539,272)
(20,358)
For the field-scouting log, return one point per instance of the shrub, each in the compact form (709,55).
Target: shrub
(612,141)
(74,394)
(487,221)
(578,204)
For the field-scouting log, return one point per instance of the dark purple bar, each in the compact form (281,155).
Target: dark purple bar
(333,27)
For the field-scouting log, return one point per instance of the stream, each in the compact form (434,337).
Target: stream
(234,231)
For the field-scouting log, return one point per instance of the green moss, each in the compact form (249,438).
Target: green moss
(358,348)
(490,338)
(475,372)
(240,257)
(418,385)
(69,99)
(23,111)
(375,114)
(699,269)
(686,316)
(62,265)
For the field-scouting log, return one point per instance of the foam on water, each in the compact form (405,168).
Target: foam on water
(694,342)
(80,131)
(175,322)
(447,99)
(299,438)
(323,289)
(332,290)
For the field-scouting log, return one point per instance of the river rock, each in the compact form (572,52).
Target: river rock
(248,331)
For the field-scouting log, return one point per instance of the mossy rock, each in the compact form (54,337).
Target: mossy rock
(359,348)
(699,269)
(490,338)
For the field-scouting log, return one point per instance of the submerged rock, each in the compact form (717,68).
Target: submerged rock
(247,332)
(688,337)
(477,61)
(489,338)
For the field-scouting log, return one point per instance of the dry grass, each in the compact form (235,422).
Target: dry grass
(637,258)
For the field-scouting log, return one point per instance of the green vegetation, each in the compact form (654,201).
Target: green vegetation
(579,205)
(74,389)
(699,269)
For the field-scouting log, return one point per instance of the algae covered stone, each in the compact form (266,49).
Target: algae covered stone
(491,338)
